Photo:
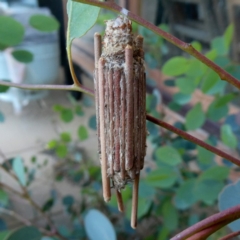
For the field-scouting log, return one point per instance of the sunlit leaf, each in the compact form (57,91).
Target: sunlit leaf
(18,168)
(82,133)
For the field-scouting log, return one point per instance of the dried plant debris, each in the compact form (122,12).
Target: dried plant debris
(120,93)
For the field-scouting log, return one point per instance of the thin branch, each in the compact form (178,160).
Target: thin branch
(34,87)
(194,140)
(230,236)
(177,42)
(205,233)
(222,218)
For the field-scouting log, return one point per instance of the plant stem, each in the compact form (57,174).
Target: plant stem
(230,236)
(167,36)
(194,140)
(34,87)
(222,218)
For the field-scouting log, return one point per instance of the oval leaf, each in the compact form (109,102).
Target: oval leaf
(44,23)
(82,133)
(195,117)
(18,168)
(230,197)
(98,227)
(23,56)
(228,136)
(81,18)
(163,178)
(11,32)
(175,66)
(168,155)
(30,233)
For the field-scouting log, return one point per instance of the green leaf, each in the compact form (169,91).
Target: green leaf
(207,190)
(23,56)
(209,81)
(185,85)
(228,35)
(215,173)
(212,54)
(48,205)
(195,118)
(2,118)
(143,206)
(222,101)
(162,178)
(168,155)
(30,233)
(67,115)
(185,197)
(66,137)
(3,198)
(52,144)
(228,198)
(175,66)
(68,200)
(4,88)
(204,156)
(18,168)
(216,113)
(181,98)
(92,122)
(228,136)
(219,45)
(82,133)
(170,216)
(61,150)
(197,45)
(81,18)
(44,23)
(11,32)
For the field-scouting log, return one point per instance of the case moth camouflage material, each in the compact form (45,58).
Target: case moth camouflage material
(120,93)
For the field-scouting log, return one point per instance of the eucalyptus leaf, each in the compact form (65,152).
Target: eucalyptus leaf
(44,23)
(195,118)
(18,168)
(23,56)
(11,32)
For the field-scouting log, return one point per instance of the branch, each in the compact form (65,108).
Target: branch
(230,236)
(222,218)
(34,87)
(194,140)
(170,38)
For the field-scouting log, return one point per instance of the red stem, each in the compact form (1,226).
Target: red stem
(224,218)
(194,140)
(230,236)
(177,42)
